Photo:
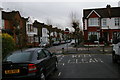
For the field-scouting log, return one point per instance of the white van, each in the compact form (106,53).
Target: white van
(116,49)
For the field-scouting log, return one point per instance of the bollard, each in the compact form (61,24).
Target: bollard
(62,50)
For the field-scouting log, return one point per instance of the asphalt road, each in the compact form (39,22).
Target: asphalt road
(86,66)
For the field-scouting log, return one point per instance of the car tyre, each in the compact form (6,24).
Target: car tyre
(114,58)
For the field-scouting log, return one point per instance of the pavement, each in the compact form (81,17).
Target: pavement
(90,50)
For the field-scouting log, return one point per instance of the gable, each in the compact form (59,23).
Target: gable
(93,14)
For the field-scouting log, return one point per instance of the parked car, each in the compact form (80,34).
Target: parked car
(44,44)
(56,43)
(63,42)
(35,63)
(68,41)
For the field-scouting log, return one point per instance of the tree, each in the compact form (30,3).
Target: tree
(75,24)
(8,44)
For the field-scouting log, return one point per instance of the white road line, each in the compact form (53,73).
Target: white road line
(84,55)
(59,74)
(72,56)
(76,60)
(95,59)
(78,55)
(101,60)
(89,55)
(68,61)
(59,60)
(63,64)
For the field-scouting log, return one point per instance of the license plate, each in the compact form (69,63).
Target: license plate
(12,71)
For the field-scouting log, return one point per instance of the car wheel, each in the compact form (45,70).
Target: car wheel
(42,76)
(114,59)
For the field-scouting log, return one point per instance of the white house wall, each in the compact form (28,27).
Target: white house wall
(45,35)
(110,24)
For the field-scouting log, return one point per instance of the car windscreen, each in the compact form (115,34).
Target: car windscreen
(19,57)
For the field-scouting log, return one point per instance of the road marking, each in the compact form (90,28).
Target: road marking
(63,64)
(101,61)
(91,60)
(68,61)
(59,74)
(95,59)
(76,60)
(89,55)
(72,56)
(59,60)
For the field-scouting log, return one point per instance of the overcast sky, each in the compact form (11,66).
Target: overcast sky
(56,12)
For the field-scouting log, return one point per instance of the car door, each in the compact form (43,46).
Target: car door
(52,59)
(45,61)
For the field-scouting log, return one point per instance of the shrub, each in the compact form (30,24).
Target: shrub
(8,44)
(93,38)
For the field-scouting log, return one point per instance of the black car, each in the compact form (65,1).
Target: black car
(35,63)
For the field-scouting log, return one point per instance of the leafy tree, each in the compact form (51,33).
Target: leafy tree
(8,44)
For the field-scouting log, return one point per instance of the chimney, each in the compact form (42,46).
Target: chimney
(109,11)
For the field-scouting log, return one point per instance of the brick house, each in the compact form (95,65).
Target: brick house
(31,33)
(101,23)
(1,18)
(15,25)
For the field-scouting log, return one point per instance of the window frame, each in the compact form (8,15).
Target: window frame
(48,52)
(93,21)
(104,21)
(117,21)
(39,52)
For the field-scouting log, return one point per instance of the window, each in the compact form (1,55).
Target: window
(47,52)
(41,54)
(104,22)
(117,21)
(18,57)
(93,22)
(93,36)
(3,24)
(28,27)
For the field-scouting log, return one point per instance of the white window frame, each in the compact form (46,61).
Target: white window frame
(104,22)
(117,21)
(93,21)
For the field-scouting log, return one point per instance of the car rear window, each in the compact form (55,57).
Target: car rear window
(19,57)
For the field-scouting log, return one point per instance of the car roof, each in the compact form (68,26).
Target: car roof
(28,49)
(32,49)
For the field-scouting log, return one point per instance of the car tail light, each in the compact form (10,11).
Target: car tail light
(32,68)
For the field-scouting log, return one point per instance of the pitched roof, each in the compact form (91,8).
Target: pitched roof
(9,15)
(103,12)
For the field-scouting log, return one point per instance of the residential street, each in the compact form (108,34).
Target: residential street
(83,65)
(86,66)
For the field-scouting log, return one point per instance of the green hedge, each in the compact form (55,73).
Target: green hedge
(8,44)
